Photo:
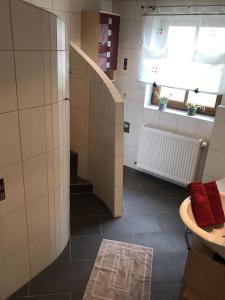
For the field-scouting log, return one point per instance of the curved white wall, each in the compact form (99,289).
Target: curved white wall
(34,142)
(97,129)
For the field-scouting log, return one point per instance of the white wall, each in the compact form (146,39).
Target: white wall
(131,33)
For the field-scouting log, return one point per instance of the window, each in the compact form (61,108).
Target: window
(178,99)
(183,56)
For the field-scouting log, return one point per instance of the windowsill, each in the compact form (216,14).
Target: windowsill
(181,113)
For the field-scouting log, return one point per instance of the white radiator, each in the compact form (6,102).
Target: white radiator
(168,155)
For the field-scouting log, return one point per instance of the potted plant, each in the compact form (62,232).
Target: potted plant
(192,109)
(162,101)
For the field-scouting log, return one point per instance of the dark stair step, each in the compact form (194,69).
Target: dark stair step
(73,163)
(80,185)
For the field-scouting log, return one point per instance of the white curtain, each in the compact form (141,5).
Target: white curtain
(191,56)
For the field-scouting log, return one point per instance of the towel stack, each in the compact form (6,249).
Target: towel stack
(206,203)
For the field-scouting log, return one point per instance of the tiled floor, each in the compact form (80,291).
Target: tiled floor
(150,218)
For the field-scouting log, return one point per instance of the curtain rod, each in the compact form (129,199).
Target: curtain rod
(154,84)
(156,10)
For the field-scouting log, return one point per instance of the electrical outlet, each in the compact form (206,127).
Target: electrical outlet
(2,189)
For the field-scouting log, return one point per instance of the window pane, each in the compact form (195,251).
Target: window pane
(202,99)
(180,42)
(172,94)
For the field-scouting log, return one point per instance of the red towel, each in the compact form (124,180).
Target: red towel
(215,202)
(200,204)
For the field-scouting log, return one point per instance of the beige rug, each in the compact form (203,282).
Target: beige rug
(121,271)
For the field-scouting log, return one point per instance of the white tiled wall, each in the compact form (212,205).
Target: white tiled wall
(69,11)
(97,129)
(34,142)
(215,164)
(130,42)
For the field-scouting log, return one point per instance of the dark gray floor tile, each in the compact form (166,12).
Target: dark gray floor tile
(83,196)
(170,222)
(164,190)
(121,237)
(142,179)
(149,205)
(88,207)
(84,225)
(133,192)
(168,268)
(47,297)
(129,171)
(21,292)
(169,291)
(65,255)
(62,277)
(85,247)
(130,224)
(162,242)
(77,297)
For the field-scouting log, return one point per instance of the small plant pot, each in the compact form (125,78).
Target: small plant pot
(162,106)
(191,112)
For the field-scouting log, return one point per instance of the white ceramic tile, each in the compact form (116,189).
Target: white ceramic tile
(135,112)
(52,209)
(40,254)
(204,129)
(51,171)
(151,117)
(56,138)
(79,5)
(61,56)
(137,90)
(78,94)
(57,167)
(127,9)
(14,189)
(10,152)
(5,26)
(220,114)
(131,138)
(38,218)
(123,83)
(49,126)
(61,5)
(8,98)
(217,141)
(35,178)
(45,17)
(33,131)
(122,54)
(187,126)
(168,121)
(27,26)
(130,155)
(53,32)
(30,83)
(131,35)
(75,25)
(16,271)
(43,3)
(12,240)
(215,165)
(47,77)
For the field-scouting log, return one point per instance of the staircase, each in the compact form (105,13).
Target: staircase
(78,185)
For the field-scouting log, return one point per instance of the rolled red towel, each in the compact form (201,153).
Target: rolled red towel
(215,202)
(200,204)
